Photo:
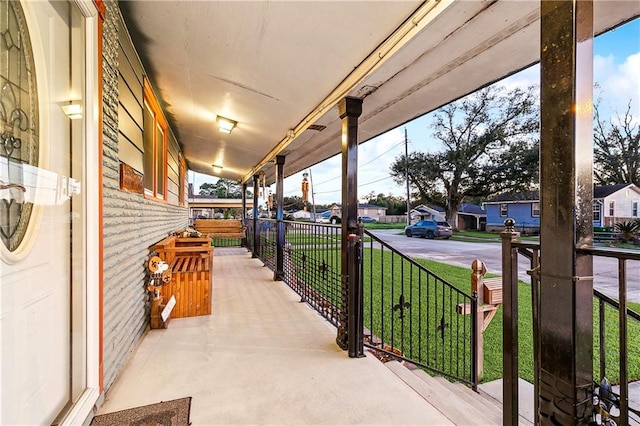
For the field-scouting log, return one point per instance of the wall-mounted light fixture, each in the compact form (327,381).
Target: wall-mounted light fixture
(73,111)
(225,125)
(216,168)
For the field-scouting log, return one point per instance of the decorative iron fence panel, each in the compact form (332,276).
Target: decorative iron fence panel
(312,259)
(248,223)
(412,314)
(267,242)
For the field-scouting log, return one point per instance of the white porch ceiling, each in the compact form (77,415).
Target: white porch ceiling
(280,66)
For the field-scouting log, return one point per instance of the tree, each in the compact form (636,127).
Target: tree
(395,205)
(490,146)
(223,188)
(293,203)
(616,149)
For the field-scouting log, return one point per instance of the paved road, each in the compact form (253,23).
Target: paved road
(463,253)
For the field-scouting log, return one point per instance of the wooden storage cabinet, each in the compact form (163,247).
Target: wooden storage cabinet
(191,261)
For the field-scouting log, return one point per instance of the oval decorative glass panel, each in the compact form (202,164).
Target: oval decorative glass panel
(18,125)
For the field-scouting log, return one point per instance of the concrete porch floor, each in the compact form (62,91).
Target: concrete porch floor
(262,357)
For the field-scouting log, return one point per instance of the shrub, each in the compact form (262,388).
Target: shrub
(628,229)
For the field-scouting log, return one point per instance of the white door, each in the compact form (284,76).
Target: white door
(40,220)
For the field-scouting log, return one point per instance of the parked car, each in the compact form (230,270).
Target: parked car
(367,219)
(429,229)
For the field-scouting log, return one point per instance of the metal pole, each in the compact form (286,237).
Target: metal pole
(243,242)
(256,189)
(313,198)
(278,274)
(406,175)
(350,109)
(566,211)
(509,325)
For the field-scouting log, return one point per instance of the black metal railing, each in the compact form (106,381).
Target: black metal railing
(267,242)
(248,241)
(612,356)
(227,242)
(312,257)
(412,314)
(610,352)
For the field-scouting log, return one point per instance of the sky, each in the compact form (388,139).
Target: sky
(616,71)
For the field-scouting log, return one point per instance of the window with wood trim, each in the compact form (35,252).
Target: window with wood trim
(612,208)
(155,147)
(503,210)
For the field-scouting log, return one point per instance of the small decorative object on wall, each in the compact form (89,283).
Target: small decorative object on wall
(130,180)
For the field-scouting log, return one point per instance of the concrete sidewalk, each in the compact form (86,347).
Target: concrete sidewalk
(262,357)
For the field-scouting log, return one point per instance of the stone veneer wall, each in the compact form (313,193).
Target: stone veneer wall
(131,225)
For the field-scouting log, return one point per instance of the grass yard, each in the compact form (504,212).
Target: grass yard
(379,225)
(493,335)
(424,307)
(484,237)
(310,239)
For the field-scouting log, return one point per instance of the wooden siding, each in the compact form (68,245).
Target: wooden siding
(132,223)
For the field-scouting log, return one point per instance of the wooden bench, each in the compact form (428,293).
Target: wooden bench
(190,261)
(222,229)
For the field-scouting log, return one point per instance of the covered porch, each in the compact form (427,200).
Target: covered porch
(263,357)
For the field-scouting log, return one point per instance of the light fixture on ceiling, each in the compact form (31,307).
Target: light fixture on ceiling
(73,110)
(216,168)
(225,125)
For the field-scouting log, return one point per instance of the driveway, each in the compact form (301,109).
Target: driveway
(463,253)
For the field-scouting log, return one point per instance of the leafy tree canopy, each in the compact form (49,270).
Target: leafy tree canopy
(489,145)
(223,188)
(395,205)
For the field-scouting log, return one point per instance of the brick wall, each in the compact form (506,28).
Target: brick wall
(131,225)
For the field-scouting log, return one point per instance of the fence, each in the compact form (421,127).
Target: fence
(612,356)
(409,312)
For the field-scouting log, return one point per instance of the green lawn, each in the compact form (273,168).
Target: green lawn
(493,335)
(299,238)
(484,237)
(418,333)
(400,225)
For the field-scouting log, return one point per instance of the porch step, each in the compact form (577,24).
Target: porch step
(449,403)
(488,406)
(493,391)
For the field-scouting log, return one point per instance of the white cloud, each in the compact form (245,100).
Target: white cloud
(525,78)
(619,84)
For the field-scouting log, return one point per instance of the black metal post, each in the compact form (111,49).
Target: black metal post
(566,194)
(350,109)
(243,216)
(256,189)
(509,325)
(624,359)
(278,274)
(244,201)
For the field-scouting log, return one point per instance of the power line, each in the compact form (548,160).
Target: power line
(375,181)
(362,165)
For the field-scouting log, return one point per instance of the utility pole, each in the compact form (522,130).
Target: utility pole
(313,198)
(406,174)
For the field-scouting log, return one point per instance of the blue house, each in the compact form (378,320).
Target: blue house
(524,208)
(611,204)
(526,214)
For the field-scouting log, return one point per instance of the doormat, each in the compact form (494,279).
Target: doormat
(168,413)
